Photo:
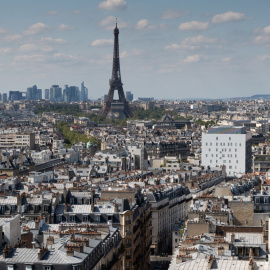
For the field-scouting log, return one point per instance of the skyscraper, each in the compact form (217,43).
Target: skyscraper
(47,94)
(84,93)
(56,93)
(33,93)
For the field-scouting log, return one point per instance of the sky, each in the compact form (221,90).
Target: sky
(169,49)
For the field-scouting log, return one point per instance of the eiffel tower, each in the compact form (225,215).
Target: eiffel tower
(119,107)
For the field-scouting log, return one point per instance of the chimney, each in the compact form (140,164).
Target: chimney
(210,262)
(6,251)
(50,240)
(251,265)
(70,252)
(232,237)
(42,252)
(92,199)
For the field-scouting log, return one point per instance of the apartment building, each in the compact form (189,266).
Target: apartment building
(16,140)
(229,146)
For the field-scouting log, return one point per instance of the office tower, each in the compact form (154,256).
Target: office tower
(33,93)
(47,94)
(104,97)
(56,93)
(129,96)
(120,106)
(84,93)
(15,95)
(71,94)
(4,97)
(0,96)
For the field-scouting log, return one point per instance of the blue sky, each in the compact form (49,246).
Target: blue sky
(169,48)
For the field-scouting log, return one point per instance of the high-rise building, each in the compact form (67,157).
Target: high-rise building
(129,96)
(4,97)
(15,95)
(104,97)
(84,93)
(47,94)
(56,93)
(71,94)
(228,146)
(33,93)
(0,96)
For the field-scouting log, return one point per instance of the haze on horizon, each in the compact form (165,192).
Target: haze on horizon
(169,49)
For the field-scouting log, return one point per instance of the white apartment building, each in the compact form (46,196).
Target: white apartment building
(17,140)
(229,146)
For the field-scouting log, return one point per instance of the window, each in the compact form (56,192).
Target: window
(230,167)
(97,218)
(235,144)
(47,267)
(216,138)
(216,144)
(239,144)
(235,149)
(210,160)
(209,149)
(206,144)
(28,267)
(210,144)
(77,267)
(221,144)
(72,218)
(85,218)
(10,267)
(224,161)
(229,161)
(230,138)
(236,161)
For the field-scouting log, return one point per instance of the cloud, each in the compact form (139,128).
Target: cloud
(264,57)
(76,11)
(144,25)
(133,52)
(172,13)
(64,27)
(226,59)
(64,57)
(12,38)
(109,23)
(192,43)
(113,5)
(53,40)
(266,30)
(5,50)
(3,30)
(26,58)
(193,26)
(101,42)
(262,39)
(229,16)
(33,47)
(52,12)
(36,29)
(194,58)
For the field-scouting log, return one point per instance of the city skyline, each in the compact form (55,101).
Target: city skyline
(174,49)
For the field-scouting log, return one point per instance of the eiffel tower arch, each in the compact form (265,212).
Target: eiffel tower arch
(116,107)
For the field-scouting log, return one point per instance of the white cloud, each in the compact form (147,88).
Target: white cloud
(193,58)
(36,29)
(197,40)
(76,11)
(62,56)
(109,23)
(144,25)
(172,13)
(113,5)
(193,26)
(266,30)
(226,59)
(33,47)
(64,27)
(264,57)
(262,39)
(52,12)
(101,42)
(12,38)
(3,30)
(53,40)
(5,50)
(26,58)
(229,16)
(192,43)
(133,52)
